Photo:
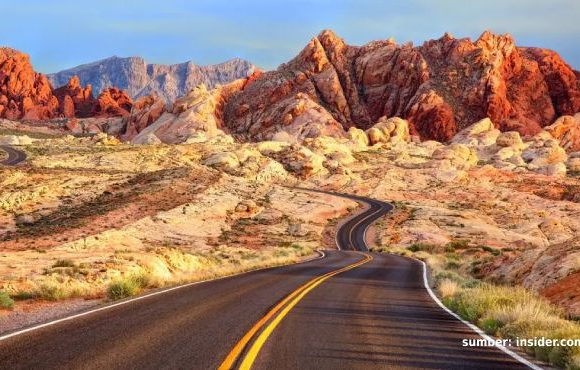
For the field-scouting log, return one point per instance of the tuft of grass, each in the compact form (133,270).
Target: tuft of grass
(64,263)
(122,288)
(6,302)
(128,286)
(448,288)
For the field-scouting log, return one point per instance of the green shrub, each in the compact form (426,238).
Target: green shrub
(122,289)
(494,251)
(491,325)
(453,265)
(23,295)
(458,244)
(5,301)
(422,247)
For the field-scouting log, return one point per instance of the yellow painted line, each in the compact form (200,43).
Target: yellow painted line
(294,298)
(239,347)
(241,344)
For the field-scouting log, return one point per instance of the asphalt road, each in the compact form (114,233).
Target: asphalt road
(349,310)
(15,156)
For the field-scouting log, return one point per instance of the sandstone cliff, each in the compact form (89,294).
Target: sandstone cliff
(440,87)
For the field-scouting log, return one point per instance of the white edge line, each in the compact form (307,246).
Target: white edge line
(471,326)
(163,291)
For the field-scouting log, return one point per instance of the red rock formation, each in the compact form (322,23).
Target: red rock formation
(567,130)
(440,87)
(113,102)
(23,92)
(81,98)
(144,112)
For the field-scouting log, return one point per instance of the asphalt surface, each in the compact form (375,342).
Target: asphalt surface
(15,156)
(373,315)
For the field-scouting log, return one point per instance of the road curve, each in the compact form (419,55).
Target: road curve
(351,234)
(15,156)
(349,310)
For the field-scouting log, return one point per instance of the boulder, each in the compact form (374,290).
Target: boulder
(510,139)
(566,130)
(222,160)
(554,169)
(147,139)
(358,137)
(459,156)
(573,164)
(481,133)
(394,130)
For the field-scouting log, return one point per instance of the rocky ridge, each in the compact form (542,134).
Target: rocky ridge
(140,78)
(440,87)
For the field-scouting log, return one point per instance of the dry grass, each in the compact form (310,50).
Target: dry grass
(448,288)
(514,312)
(503,311)
(130,272)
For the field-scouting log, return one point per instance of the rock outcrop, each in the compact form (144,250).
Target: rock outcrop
(566,129)
(139,78)
(196,113)
(144,112)
(440,87)
(25,94)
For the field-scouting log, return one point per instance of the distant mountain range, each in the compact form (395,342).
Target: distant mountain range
(139,78)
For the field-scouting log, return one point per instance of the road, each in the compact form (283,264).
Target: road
(15,156)
(348,310)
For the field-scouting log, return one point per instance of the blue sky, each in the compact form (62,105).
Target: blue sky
(64,33)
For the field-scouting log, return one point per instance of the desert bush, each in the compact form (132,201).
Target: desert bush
(457,244)
(494,251)
(423,247)
(123,288)
(5,301)
(64,263)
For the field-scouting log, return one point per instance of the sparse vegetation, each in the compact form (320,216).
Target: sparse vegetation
(64,263)
(422,247)
(514,312)
(125,287)
(5,301)
(503,311)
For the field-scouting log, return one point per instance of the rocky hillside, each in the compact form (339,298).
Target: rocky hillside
(25,94)
(138,78)
(440,87)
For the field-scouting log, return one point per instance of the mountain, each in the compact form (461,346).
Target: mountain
(138,78)
(26,94)
(440,87)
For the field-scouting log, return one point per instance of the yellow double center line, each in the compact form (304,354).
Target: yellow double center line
(278,313)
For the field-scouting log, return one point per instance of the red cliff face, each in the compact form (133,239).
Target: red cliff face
(25,94)
(440,87)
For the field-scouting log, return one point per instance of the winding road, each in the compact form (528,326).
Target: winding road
(15,156)
(350,309)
